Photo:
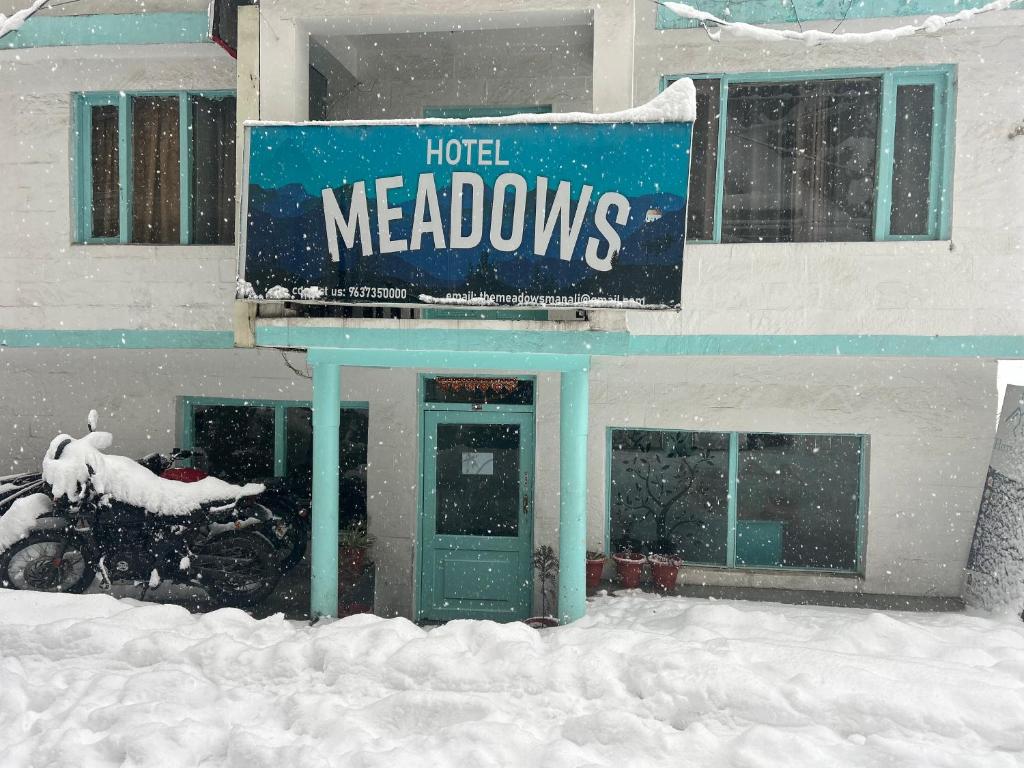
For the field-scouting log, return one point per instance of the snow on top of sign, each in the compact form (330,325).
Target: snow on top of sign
(128,481)
(479,301)
(811,37)
(676,104)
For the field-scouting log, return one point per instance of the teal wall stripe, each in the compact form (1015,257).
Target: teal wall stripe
(110,29)
(812,10)
(387,341)
(381,340)
(123,339)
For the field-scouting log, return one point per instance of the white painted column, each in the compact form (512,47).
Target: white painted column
(284,69)
(614,37)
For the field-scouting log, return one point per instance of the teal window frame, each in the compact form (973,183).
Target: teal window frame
(81,184)
(940,181)
(733,499)
(186,420)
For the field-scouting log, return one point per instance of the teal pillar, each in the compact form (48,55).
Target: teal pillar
(572,530)
(323,587)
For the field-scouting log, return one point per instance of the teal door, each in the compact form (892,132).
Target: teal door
(476,531)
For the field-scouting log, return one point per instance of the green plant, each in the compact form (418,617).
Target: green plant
(355,535)
(546,562)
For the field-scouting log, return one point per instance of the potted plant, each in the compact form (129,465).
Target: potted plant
(546,562)
(630,567)
(665,571)
(353,542)
(595,568)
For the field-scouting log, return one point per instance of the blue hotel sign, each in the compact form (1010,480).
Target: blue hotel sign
(462,212)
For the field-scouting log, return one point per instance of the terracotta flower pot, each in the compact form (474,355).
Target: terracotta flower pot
(630,567)
(665,571)
(352,558)
(595,569)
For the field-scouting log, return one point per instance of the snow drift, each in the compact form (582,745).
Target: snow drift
(640,681)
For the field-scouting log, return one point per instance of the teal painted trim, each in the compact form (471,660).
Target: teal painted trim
(723,131)
(124,167)
(862,510)
(812,10)
(448,359)
(608,447)
(81,195)
(184,169)
(485,111)
(884,159)
(948,155)
(280,441)
(323,588)
(732,503)
(117,339)
(574,415)
(110,29)
(562,350)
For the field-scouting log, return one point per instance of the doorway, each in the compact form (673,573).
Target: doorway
(476,522)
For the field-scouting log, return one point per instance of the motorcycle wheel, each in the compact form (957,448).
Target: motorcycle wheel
(236,568)
(47,561)
(293,541)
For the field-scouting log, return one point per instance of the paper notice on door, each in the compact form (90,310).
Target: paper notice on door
(477,463)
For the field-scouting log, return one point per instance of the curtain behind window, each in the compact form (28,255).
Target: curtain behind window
(155,170)
(105,172)
(213,170)
(800,161)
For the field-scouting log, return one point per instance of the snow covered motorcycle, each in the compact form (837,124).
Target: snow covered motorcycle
(114,518)
(284,520)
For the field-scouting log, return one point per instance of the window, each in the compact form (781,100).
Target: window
(739,499)
(246,441)
(155,168)
(822,157)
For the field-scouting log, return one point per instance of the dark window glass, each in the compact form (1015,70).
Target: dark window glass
(106,169)
(213,170)
(319,95)
(479,390)
(669,493)
(477,490)
(352,472)
(798,500)
(238,441)
(800,161)
(912,160)
(156,172)
(700,222)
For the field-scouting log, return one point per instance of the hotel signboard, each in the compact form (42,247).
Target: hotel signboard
(538,212)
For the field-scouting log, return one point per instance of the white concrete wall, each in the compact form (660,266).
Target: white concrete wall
(930,425)
(971,284)
(45,280)
(400,75)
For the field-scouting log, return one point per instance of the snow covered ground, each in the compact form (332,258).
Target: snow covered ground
(641,681)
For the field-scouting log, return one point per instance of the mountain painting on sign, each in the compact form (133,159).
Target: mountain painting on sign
(494,213)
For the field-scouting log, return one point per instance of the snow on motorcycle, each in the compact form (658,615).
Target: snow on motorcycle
(112,517)
(284,522)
